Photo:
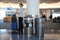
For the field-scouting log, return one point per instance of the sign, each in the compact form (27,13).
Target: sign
(9,8)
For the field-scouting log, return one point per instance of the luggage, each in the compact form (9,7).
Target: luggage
(14,19)
(14,26)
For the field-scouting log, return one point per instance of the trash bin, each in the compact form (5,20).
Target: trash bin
(28,26)
(39,28)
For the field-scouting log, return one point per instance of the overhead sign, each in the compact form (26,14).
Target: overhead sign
(9,8)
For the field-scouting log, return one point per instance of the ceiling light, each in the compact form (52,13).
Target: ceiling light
(59,2)
(43,3)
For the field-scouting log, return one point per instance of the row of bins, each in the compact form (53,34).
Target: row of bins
(28,23)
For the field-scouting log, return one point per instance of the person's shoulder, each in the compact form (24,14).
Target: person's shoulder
(21,9)
(17,9)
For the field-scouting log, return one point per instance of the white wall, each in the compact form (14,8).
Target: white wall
(55,14)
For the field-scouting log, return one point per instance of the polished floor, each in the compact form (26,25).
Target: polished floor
(51,32)
(7,34)
(48,27)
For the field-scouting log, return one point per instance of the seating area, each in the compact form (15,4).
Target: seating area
(7,19)
(56,19)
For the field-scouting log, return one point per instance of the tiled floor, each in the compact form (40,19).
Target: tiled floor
(8,35)
(52,37)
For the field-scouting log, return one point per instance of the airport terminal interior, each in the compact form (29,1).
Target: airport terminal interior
(41,20)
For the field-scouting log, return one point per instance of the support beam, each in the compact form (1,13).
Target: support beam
(33,7)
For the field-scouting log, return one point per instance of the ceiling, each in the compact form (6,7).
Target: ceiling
(14,1)
(49,1)
(24,1)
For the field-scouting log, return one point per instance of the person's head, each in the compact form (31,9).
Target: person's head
(20,5)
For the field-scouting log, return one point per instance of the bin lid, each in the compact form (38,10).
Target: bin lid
(28,16)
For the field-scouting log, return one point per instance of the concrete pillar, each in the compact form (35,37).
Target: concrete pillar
(48,14)
(33,7)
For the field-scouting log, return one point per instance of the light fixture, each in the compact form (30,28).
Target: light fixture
(43,3)
(59,2)
(3,30)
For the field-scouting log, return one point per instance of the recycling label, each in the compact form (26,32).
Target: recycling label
(30,24)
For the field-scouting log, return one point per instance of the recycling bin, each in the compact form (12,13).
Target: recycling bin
(28,26)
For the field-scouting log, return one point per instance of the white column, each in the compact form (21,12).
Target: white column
(33,7)
(48,14)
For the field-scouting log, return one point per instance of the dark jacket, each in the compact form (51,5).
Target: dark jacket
(14,19)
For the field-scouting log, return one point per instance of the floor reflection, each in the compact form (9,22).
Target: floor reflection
(15,37)
(9,35)
(4,35)
(22,37)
